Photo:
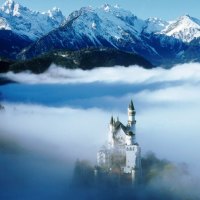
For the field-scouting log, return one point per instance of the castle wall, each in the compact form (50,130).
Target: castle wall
(132,158)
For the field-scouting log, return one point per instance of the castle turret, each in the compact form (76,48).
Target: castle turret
(111,120)
(111,132)
(133,157)
(131,114)
(112,124)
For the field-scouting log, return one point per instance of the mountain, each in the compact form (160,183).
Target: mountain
(154,25)
(33,34)
(26,22)
(24,26)
(113,27)
(106,26)
(186,29)
(11,43)
(192,51)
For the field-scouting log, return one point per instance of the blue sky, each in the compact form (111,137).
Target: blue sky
(165,9)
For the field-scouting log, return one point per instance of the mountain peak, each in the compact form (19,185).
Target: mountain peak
(54,12)
(106,7)
(185,28)
(154,24)
(26,22)
(117,6)
(9,3)
(11,7)
(186,16)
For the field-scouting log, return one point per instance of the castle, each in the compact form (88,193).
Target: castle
(122,153)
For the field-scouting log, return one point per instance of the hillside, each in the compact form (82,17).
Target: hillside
(83,59)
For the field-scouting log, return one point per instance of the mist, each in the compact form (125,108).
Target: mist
(132,74)
(52,119)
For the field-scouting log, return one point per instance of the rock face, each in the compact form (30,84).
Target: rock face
(160,42)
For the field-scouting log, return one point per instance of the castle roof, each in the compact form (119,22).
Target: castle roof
(118,125)
(111,120)
(131,106)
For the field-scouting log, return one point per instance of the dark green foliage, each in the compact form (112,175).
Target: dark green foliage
(83,59)
(152,166)
(36,65)
(83,174)
(5,65)
(162,181)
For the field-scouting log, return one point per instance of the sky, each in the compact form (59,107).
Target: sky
(164,9)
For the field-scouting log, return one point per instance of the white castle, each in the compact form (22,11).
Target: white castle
(122,151)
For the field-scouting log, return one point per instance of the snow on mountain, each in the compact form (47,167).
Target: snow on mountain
(109,19)
(4,25)
(26,22)
(186,28)
(155,25)
(106,26)
(34,25)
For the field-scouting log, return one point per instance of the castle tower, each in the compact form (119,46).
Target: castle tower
(131,119)
(111,132)
(131,114)
(133,155)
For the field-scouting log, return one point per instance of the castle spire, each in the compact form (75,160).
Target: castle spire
(131,106)
(111,120)
(131,114)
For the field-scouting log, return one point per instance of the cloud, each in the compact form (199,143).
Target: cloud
(134,74)
(167,104)
(63,132)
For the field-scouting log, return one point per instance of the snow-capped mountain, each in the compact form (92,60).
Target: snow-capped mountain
(108,26)
(155,25)
(20,26)
(110,21)
(26,22)
(112,27)
(186,28)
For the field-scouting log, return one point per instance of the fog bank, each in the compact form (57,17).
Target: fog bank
(132,74)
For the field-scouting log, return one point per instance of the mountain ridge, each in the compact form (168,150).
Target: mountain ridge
(159,41)
(25,24)
(84,59)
